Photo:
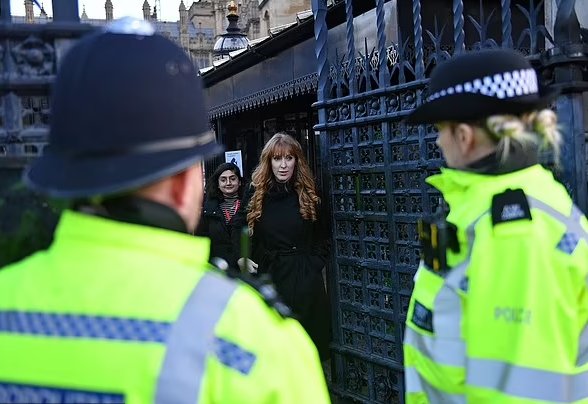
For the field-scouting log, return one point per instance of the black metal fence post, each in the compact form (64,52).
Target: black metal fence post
(568,59)
(319,10)
(65,11)
(5,11)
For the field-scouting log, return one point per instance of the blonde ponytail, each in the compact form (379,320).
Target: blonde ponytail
(530,132)
(545,125)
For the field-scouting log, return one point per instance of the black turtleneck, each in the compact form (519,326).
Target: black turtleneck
(136,210)
(278,190)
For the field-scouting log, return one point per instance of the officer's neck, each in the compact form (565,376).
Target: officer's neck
(137,210)
(492,164)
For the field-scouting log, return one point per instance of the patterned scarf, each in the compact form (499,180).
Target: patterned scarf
(230,206)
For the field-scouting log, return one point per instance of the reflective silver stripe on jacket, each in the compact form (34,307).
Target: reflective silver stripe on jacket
(191,341)
(448,310)
(441,351)
(446,347)
(416,384)
(510,379)
(583,349)
(572,222)
(528,383)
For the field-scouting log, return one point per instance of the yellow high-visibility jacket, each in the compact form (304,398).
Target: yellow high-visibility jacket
(508,323)
(115,312)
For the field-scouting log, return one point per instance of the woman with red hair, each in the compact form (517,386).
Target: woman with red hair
(288,240)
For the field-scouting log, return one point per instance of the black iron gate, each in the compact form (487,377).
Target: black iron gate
(371,72)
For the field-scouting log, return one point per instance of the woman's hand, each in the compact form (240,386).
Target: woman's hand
(250,266)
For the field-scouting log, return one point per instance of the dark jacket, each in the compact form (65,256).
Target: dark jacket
(293,251)
(225,238)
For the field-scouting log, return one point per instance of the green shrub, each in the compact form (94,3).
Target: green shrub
(27,222)
(32,235)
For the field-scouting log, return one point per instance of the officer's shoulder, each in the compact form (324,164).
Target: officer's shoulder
(261,287)
(510,205)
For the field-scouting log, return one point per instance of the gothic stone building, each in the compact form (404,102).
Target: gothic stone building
(199,24)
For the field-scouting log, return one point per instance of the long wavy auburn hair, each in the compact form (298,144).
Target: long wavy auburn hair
(282,144)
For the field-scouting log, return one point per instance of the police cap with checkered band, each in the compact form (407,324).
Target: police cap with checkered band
(479,84)
(127,110)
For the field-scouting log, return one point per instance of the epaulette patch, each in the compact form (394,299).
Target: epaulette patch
(510,206)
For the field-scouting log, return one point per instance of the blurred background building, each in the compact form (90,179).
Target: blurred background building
(200,24)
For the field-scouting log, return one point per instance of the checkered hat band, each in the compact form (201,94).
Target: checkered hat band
(501,85)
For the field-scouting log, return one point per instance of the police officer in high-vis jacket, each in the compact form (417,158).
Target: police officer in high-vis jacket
(499,310)
(123,306)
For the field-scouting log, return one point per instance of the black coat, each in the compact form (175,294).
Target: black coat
(224,237)
(294,252)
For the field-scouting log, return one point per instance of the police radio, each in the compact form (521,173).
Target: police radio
(437,235)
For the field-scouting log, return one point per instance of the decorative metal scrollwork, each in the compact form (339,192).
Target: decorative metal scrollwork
(35,111)
(374,106)
(360,109)
(34,57)
(383,379)
(333,115)
(356,376)
(302,85)
(345,112)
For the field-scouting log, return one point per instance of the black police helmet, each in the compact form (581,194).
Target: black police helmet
(127,110)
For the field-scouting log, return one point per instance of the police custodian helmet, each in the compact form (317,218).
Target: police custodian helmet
(127,110)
